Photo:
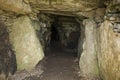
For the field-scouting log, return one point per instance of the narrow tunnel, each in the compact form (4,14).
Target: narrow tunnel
(65,32)
(62,31)
(55,37)
(60,40)
(61,53)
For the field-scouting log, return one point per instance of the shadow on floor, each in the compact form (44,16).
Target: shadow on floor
(61,64)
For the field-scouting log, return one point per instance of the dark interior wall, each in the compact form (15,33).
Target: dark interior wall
(55,34)
(8,63)
(61,29)
(66,31)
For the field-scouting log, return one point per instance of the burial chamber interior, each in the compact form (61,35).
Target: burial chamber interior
(59,31)
(60,36)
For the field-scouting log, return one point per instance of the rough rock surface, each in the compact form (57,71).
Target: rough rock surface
(108,44)
(7,57)
(17,6)
(88,59)
(109,52)
(44,33)
(26,44)
(34,6)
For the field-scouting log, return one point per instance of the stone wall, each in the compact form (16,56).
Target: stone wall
(26,44)
(109,52)
(17,6)
(106,46)
(96,56)
(8,63)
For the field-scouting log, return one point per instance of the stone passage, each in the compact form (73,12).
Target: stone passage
(60,65)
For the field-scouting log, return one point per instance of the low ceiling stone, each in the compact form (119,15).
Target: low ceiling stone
(69,7)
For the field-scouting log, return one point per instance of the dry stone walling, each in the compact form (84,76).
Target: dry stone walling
(108,49)
(44,30)
(100,46)
(105,40)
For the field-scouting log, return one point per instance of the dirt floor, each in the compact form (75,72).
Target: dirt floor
(59,64)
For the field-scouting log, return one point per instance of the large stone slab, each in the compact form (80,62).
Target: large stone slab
(109,52)
(26,44)
(63,5)
(88,59)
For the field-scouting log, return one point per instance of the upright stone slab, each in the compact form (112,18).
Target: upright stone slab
(109,51)
(88,59)
(26,44)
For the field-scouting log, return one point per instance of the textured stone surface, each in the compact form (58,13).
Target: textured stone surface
(44,33)
(28,6)
(17,6)
(109,52)
(26,45)
(98,12)
(29,50)
(64,5)
(7,57)
(88,59)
